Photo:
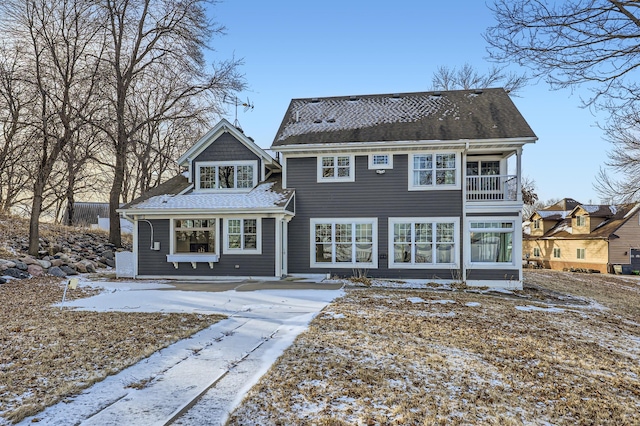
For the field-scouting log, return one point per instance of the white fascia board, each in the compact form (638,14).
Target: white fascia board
(220,128)
(463,143)
(166,213)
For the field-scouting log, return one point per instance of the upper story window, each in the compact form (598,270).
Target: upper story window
(537,224)
(581,220)
(432,171)
(380,161)
(215,175)
(336,168)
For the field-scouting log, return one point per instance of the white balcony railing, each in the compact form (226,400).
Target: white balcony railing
(492,188)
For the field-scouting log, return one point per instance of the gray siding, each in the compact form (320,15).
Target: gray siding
(226,148)
(155,263)
(371,195)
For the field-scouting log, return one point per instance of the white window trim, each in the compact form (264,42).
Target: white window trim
(580,218)
(192,257)
(352,169)
(557,250)
(433,186)
(537,250)
(199,164)
(257,250)
(584,254)
(456,243)
(374,249)
(516,249)
(389,164)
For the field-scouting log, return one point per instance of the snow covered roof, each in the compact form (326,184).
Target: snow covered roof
(614,218)
(421,116)
(267,195)
(553,214)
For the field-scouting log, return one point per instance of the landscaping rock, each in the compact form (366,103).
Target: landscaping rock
(57,262)
(15,273)
(6,264)
(20,265)
(2,280)
(56,272)
(45,264)
(35,270)
(68,270)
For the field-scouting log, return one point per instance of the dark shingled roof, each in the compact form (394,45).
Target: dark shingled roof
(86,213)
(173,186)
(420,116)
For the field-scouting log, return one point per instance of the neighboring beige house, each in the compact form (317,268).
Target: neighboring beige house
(571,235)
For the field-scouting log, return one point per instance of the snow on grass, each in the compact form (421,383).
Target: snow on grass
(394,359)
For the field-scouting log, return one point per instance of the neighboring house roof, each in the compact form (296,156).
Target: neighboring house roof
(619,215)
(266,196)
(564,204)
(552,214)
(458,115)
(86,213)
(598,210)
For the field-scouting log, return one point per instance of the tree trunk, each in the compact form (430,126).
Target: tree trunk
(34,222)
(115,237)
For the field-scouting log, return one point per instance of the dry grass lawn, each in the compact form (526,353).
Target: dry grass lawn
(47,353)
(566,350)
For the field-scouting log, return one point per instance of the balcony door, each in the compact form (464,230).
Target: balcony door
(484,180)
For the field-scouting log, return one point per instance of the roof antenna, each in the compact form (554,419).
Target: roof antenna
(248,105)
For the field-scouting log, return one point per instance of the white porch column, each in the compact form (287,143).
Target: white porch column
(519,174)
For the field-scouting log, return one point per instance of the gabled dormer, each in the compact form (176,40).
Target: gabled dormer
(544,220)
(586,218)
(225,160)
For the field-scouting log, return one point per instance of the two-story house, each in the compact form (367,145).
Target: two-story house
(408,186)
(571,235)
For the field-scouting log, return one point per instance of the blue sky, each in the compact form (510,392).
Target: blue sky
(308,48)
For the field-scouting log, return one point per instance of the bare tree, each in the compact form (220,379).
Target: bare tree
(573,42)
(62,58)
(467,77)
(14,103)
(594,44)
(150,38)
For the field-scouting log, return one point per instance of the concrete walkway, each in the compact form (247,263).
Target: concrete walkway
(201,379)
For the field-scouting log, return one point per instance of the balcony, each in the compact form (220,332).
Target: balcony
(492,188)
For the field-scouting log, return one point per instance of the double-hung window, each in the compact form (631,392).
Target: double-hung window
(581,253)
(423,242)
(433,170)
(242,236)
(344,243)
(336,168)
(222,176)
(536,252)
(492,241)
(556,252)
(581,220)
